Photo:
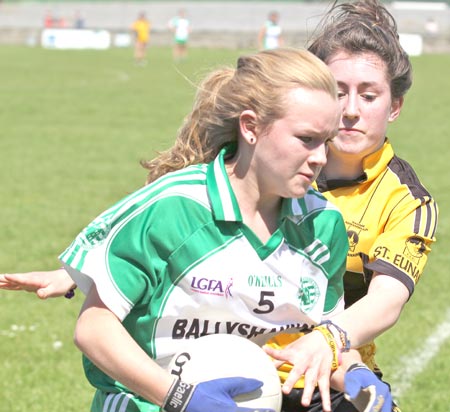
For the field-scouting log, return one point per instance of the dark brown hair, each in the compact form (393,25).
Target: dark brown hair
(364,26)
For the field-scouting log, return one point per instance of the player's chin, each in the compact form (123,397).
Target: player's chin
(299,190)
(347,144)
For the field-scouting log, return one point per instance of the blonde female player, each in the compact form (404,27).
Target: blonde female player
(228,236)
(390,217)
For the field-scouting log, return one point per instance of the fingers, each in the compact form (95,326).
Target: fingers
(48,284)
(7,286)
(277,356)
(28,282)
(9,282)
(298,370)
(4,283)
(20,281)
(324,388)
(316,375)
(311,357)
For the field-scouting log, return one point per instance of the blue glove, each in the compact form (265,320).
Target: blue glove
(366,391)
(212,396)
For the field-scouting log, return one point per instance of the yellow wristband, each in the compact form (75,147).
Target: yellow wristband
(332,344)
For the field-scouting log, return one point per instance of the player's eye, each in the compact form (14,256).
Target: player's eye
(305,139)
(369,97)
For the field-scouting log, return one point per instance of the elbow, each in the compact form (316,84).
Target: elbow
(81,336)
(388,296)
(78,338)
(391,319)
(396,312)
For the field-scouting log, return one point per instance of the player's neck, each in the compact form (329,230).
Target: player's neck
(343,166)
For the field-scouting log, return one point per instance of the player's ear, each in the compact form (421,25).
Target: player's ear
(247,126)
(396,108)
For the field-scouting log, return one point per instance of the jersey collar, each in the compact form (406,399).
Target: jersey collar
(224,204)
(375,163)
(223,200)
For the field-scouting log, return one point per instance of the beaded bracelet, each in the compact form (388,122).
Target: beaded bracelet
(329,337)
(345,341)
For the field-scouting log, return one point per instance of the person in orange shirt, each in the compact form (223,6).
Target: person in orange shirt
(141,28)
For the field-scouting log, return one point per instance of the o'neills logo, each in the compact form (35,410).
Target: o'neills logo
(212,286)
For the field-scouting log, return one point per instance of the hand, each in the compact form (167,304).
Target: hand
(45,284)
(211,396)
(310,356)
(366,391)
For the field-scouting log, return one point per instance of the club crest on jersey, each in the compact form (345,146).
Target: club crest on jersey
(95,234)
(414,249)
(353,239)
(308,294)
(354,231)
(212,286)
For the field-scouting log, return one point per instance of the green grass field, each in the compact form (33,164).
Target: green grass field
(74,126)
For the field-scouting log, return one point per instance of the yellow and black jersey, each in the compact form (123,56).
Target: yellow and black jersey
(391,222)
(390,219)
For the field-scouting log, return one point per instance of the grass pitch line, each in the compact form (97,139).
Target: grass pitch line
(413,364)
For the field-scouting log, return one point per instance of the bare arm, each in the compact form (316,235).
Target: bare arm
(124,360)
(48,284)
(376,312)
(363,321)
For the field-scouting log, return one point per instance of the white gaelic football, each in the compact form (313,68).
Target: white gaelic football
(222,356)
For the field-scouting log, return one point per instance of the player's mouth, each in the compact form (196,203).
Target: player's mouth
(349,130)
(310,177)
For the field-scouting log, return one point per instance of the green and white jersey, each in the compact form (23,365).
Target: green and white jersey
(175,261)
(181,27)
(272,35)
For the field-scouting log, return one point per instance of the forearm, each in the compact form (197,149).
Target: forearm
(376,312)
(118,355)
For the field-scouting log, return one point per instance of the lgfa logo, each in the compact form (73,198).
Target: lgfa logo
(212,286)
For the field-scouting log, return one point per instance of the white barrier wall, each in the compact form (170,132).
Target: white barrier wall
(411,43)
(75,39)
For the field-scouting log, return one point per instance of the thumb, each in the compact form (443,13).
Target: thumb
(239,385)
(44,293)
